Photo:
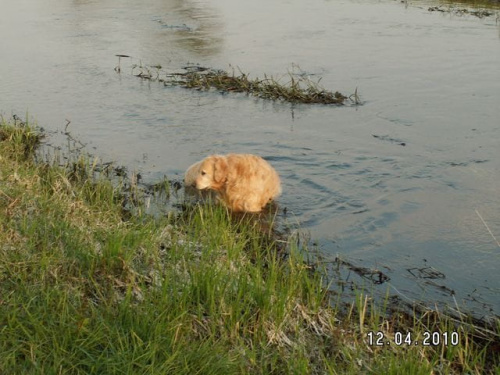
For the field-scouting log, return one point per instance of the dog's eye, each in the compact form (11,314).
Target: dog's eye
(203,173)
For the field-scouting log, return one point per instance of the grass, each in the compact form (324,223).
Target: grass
(452,9)
(475,8)
(485,4)
(87,289)
(297,88)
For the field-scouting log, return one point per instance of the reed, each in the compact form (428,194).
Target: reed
(292,87)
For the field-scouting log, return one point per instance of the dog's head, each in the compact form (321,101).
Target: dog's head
(191,174)
(212,173)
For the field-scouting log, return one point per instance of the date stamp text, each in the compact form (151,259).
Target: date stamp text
(378,338)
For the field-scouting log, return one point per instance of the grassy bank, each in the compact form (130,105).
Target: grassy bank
(88,288)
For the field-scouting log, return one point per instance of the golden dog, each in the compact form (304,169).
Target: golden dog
(243,182)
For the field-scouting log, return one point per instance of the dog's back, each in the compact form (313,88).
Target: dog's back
(244,182)
(251,182)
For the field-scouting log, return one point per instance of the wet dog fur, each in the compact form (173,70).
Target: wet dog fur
(243,182)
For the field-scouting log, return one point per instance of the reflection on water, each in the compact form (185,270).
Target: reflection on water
(200,32)
(407,183)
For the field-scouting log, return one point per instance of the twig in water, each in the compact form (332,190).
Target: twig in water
(66,127)
(118,68)
(357,101)
(487,227)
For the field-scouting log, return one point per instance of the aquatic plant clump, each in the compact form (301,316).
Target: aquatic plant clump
(297,88)
(479,13)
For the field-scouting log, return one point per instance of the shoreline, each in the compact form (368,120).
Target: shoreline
(89,283)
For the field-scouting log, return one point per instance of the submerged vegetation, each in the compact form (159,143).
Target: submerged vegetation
(474,8)
(85,289)
(298,88)
(480,13)
(476,4)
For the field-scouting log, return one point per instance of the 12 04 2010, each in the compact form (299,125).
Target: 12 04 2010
(427,338)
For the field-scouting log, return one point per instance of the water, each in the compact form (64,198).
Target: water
(407,184)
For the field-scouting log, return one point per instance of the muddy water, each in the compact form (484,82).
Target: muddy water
(407,184)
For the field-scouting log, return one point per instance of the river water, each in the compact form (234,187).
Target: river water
(407,184)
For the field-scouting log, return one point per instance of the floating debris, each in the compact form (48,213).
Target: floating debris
(480,13)
(298,88)
(389,139)
(374,275)
(118,67)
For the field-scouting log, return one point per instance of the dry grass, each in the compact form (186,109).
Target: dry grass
(292,87)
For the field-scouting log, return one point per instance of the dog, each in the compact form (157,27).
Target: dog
(243,182)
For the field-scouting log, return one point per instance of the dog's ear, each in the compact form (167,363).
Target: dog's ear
(220,169)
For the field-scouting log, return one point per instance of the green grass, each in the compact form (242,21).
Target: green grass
(86,288)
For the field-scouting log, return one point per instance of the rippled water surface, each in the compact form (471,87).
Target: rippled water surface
(407,184)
